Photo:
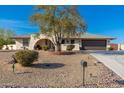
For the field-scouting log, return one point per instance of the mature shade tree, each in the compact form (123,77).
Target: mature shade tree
(5,37)
(58,22)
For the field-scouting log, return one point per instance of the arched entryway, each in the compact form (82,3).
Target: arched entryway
(40,44)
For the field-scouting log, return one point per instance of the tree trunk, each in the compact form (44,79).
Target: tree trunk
(58,47)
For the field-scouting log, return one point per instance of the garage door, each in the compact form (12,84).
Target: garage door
(94,44)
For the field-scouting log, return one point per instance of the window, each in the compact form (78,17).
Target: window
(63,41)
(67,41)
(25,42)
(72,41)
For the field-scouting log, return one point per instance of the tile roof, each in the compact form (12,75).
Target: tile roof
(89,35)
(82,36)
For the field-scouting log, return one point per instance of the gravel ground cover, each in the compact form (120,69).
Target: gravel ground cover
(57,71)
(113,60)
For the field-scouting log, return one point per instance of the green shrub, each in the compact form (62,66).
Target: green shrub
(70,47)
(38,47)
(26,57)
(110,48)
(45,48)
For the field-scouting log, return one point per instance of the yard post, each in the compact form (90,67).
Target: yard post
(84,65)
(13,67)
(83,76)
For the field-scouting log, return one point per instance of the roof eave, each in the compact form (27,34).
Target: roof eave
(20,37)
(93,38)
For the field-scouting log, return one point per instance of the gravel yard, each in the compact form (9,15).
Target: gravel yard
(112,59)
(57,71)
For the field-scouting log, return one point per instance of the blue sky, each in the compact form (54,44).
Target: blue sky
(104,20)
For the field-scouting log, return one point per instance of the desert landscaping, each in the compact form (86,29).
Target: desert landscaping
(57,71)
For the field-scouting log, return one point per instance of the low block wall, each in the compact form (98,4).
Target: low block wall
(64,46)
(10,47)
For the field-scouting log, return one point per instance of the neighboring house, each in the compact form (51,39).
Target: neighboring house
(113,46)
(85,41)
(116,46)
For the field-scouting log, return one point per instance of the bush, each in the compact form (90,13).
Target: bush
(38,47)
(26,57)
(110,48)
(70,47)
(45,48)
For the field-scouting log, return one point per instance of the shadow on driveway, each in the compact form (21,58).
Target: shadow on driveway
(47,65)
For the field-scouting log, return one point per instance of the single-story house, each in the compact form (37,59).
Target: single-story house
(85,41)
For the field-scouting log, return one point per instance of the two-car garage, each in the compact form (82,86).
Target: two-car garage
(94,44)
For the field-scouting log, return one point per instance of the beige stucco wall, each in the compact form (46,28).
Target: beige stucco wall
(41,43)
(34,40)
(19,44)
(77,45)
(107,47)
(120,46)
(64,46)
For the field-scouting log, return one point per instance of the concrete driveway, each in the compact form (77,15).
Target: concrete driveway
(112,59)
